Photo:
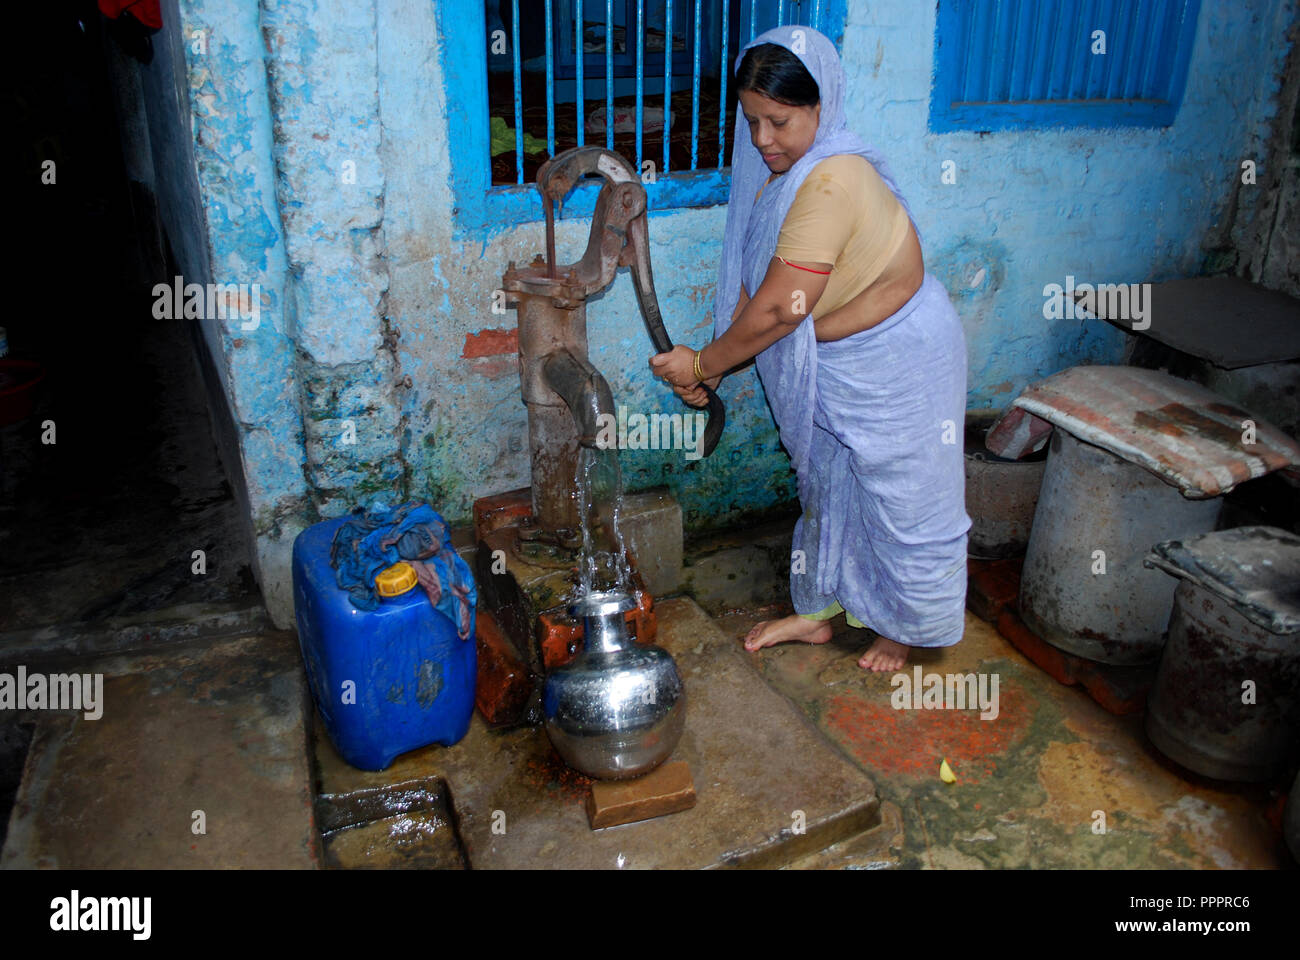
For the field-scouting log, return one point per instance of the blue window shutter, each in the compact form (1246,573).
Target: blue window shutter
(1019,64)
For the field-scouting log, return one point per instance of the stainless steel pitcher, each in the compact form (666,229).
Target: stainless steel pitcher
(618,709)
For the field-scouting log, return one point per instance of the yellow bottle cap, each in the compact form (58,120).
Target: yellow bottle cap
(396,580)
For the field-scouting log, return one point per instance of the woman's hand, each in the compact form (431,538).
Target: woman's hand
(695,396)
(676,367)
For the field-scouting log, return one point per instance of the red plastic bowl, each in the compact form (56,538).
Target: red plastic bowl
(18,382)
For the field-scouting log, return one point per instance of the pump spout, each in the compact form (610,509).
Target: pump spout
(583,390)
(566,398)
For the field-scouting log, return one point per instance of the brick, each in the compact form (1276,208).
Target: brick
(503,684)
(501,510)
(992,586)
(651,522)
(1055,662)
(1120,690)
(666,789)
(559,639)
(490,343)
(642,623)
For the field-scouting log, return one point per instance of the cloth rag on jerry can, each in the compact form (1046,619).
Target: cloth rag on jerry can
(385,610)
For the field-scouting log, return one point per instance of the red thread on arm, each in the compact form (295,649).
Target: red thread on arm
(824,273)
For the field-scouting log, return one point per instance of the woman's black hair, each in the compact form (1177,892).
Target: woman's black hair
(776,73)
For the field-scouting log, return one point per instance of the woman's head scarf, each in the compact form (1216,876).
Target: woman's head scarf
(761,223)
(788,367)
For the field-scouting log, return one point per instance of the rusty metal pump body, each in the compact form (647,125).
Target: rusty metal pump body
(563,392)
(525,631)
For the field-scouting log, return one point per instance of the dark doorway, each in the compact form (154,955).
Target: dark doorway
(104,521)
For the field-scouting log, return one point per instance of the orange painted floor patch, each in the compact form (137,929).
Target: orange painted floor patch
(914,742)
(1028,782)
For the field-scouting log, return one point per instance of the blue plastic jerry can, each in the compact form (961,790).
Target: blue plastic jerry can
(386,680)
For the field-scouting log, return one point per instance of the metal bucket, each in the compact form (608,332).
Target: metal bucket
(1092,500)
(1196,714)
(1001,494)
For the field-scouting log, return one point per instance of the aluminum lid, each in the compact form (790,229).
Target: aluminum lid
(1256,569)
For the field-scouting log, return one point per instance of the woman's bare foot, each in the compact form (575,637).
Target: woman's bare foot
(884,655)
(786,629)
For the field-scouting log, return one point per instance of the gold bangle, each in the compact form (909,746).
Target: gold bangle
(699,374)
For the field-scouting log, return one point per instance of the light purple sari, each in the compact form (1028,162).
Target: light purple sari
(873,423)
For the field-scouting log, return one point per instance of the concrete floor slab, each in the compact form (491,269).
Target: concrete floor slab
(213,728)
(651,523)
(770,790)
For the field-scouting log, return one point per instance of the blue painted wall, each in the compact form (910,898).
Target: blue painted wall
(321,132)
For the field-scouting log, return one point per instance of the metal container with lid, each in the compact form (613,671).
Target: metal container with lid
(1137,457)
(1226,699)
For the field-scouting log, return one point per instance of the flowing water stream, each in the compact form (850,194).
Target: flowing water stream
(599,491)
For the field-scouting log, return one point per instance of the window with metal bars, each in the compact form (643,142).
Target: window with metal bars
(1018,64)
(527,79)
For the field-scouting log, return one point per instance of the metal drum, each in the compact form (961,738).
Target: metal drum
(1092,500)
(1001,495)
(1199,712)
(1226,700)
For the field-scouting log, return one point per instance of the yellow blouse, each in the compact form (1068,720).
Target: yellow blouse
(844,215)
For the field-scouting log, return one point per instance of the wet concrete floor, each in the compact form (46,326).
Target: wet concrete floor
(770,791)
(1053,781)
(198,759)
(223,727)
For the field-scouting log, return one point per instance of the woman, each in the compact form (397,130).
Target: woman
(860,352)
